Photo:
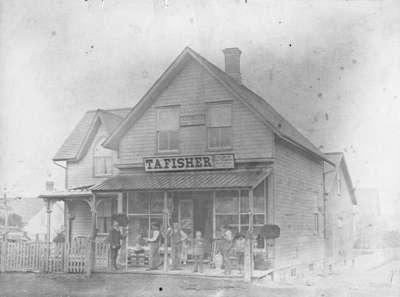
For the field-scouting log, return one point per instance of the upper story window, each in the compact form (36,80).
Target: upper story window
(168,129)
(102,161)
(219,126)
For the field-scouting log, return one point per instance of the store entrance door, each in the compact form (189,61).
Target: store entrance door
(185,215)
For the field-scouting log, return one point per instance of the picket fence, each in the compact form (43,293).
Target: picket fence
(25,256)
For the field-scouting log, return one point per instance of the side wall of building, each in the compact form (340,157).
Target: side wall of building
(298,200)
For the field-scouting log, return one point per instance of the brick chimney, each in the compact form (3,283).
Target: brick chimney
(232,63)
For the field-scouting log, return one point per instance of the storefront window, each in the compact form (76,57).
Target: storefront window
(232,209)
(259,199)
(244,202)
(226,202)
(138,203)
(144,208)
(156,202)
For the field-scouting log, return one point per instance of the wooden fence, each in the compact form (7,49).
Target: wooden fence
(38,256)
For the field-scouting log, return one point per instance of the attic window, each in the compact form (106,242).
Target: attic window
(102,160)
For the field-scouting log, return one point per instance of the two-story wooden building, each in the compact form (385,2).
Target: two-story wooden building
(340,210)
(205,150)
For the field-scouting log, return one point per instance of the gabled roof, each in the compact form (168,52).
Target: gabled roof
(338,159)
(78,141)
(258,105)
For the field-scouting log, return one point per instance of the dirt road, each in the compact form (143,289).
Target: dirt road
(383,281)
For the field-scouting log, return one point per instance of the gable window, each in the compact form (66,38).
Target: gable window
(168,129)
(102,161)
(219,125)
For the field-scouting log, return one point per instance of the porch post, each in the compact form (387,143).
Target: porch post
(67,230)
(248,255)
(66,221)
(270,220)
(48,212)
(165,231)
(92,240)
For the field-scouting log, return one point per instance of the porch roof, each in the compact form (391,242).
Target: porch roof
(183,180)
(60,195)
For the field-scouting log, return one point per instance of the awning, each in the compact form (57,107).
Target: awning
(184,180)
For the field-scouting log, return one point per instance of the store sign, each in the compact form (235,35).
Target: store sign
(198,162)
(192,120)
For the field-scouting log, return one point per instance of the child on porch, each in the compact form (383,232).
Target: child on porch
(198,251)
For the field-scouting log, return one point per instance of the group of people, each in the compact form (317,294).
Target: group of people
(178,241)
(226,245)
(229,247)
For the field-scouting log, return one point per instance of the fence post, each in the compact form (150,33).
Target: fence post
(3,256)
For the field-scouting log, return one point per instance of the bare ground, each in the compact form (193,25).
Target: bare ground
(383,281)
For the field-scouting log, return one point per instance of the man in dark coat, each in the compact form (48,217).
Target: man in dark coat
(114,238)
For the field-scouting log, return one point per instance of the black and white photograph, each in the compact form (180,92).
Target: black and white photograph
(192,148)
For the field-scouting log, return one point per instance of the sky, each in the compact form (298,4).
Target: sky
(331,67)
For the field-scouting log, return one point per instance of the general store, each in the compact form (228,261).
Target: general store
(203,150)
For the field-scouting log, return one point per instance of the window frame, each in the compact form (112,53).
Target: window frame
(158,130)
(102,157)
(148,214)
(219,128)
(240,226)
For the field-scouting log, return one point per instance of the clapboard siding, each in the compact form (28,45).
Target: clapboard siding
(80,211)
(191,89)
(81,173)
(298,195)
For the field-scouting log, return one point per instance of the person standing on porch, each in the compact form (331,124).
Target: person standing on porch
(198,252)
(226,249)
(154,245)
(178,236)
(114,238)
